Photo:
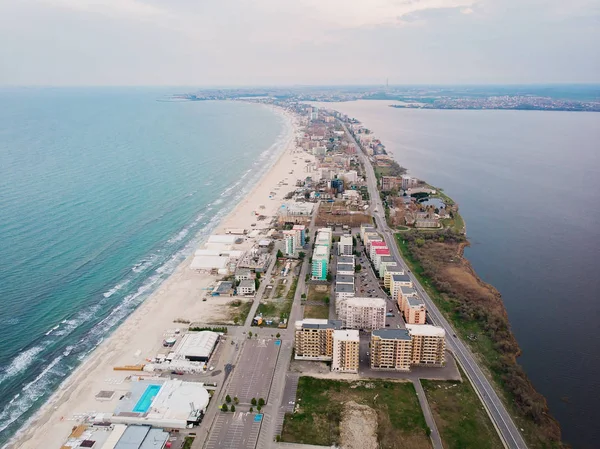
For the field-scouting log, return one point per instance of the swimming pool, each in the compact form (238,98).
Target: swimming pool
(145,401)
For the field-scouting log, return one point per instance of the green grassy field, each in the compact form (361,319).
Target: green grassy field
(459,415)
(400,422)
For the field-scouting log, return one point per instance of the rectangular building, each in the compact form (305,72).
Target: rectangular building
(247,287)
(414,310)
(346,345)
(345,246)
(390,183)
(391,349)
(403,294)
(361,313)
(397,281)
(343,291)
(374,246)
(391,270)
(345,269)
(346,260)
(379,253)
(428,344)
(320,263)
(314,339)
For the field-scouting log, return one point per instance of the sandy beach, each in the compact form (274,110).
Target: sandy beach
(140,336)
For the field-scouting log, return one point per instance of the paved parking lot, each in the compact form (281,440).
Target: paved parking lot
(254,372)
(237,430)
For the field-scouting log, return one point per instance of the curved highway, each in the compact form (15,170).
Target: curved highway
(506,427)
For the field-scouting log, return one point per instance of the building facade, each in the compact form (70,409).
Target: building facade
(314,339)
(391,349)
(361,313)
(346,345)
(414,311)
(428,344)
(345,246)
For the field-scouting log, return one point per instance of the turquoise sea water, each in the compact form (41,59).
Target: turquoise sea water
(103,192)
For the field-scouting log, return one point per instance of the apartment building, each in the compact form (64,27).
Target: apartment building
(390,183)
(345,246)
(391,349)
(320,263)
(343,291)
(409,182)
(364,229)
(379,253)
(428,344)
(403,294)
(414,310)
(361,313)
(391,270)
(346,260)
(374,245)
(397,281)
(385,262)
(314,339)
(247,287)
(288,242)
(346,345)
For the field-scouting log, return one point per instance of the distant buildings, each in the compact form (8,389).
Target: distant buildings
(390,183)
(294,239)
(346,351)
(409,182)
(361,313)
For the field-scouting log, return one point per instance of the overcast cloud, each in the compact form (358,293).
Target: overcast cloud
(250,42)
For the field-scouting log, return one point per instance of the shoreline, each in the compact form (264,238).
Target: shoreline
(174,297)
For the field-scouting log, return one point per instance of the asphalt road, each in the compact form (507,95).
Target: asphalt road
(500,416)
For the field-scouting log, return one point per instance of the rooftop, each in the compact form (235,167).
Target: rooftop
(247,283)
(346,259)
(408,291)
(392,334)
(344,288)
(426,330)
(401,278)
(345,267)
(415,301)
(344,279)
(197,344)
(365,302)
(346,335)
(315,323)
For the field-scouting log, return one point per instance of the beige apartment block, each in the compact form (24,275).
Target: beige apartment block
(414,310)
(428,344)
(361,313)
(346,344)
(314,339)
(391,349)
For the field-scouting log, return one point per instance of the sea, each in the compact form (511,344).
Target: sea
(103,192)
(528,186)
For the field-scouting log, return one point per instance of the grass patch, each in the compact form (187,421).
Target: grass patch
(460,416)
(315,295)
(292,291)
(187,443)
(280,290)
(240,310)
(316,312)
(401,424)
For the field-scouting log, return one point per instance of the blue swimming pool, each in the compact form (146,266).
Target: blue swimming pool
(145,401)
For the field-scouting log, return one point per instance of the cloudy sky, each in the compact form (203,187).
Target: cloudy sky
(252,42)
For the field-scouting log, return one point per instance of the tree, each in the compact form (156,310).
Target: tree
(250,334)
(236,400)
(329,277)
(251,409)
(253,401)
(303,296)
(256,283)
(224,408)
(228,399)
(236,320)
(233,408)
(326,300)
(301,255)
(257,275)
(278,335)
(258,408)
(261,402)
(279,254)
(357,267)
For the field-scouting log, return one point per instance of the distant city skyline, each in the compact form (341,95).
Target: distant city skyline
(305,42)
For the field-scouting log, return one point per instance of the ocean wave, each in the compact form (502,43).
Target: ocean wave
(30,393)
(21,362)
(115,289)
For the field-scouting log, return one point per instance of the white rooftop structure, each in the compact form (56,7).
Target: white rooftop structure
(227,239)
(425,330)
(209,262)
(346,335)
(197,346)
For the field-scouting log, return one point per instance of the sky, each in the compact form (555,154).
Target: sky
(289,42)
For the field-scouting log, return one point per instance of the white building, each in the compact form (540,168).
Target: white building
(346,345)
(361,313)
(345,269)
(428,344)
(397,281)
(345,246)
(247,287)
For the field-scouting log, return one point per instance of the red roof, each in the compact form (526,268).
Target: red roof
(383,251)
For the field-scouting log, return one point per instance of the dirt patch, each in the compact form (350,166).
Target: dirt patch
(358,428)
(321,288)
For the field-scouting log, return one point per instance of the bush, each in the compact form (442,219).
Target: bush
(261,402)
(224,408)
(228,399)
(233,408)
(253,401)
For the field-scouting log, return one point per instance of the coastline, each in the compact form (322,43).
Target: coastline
(141,332)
